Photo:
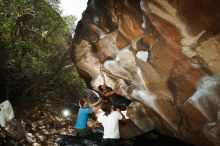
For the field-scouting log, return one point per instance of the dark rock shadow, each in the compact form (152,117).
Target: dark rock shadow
(151,138)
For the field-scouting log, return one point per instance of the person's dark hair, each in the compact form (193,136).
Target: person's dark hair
(100,88)
(106,107)
(82,102)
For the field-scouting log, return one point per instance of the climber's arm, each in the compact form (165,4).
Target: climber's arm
(96,103)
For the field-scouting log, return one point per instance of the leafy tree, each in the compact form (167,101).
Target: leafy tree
(34,50)
(70,21)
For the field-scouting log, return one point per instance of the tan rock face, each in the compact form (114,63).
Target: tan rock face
(165,53)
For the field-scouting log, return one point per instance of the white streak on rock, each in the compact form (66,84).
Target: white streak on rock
(207,95)
(142,55)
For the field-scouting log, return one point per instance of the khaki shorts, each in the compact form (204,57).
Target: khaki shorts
(83,132)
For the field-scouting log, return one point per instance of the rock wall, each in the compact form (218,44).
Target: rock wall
(165,54)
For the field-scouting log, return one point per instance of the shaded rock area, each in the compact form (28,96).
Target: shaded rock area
(165,54)
(42,122)
(151,138)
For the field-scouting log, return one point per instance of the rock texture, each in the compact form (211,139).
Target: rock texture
(165,53)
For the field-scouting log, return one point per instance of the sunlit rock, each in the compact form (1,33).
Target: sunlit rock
(165,54)
(207,99)
(142,55)
(212,129)
(137,114)
(30,138)
(36,144)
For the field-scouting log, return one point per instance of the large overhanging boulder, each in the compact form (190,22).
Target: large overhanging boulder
(165,54)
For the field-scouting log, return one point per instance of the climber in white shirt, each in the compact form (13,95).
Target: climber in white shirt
(110,121)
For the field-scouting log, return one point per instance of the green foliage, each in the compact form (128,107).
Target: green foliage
(70,78)
(34,50)
(70,21)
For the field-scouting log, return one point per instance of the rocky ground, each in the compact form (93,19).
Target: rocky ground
(43,122)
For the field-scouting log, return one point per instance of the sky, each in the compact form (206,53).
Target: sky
(73,7)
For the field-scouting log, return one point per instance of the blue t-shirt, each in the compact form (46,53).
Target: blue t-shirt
(82,117)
